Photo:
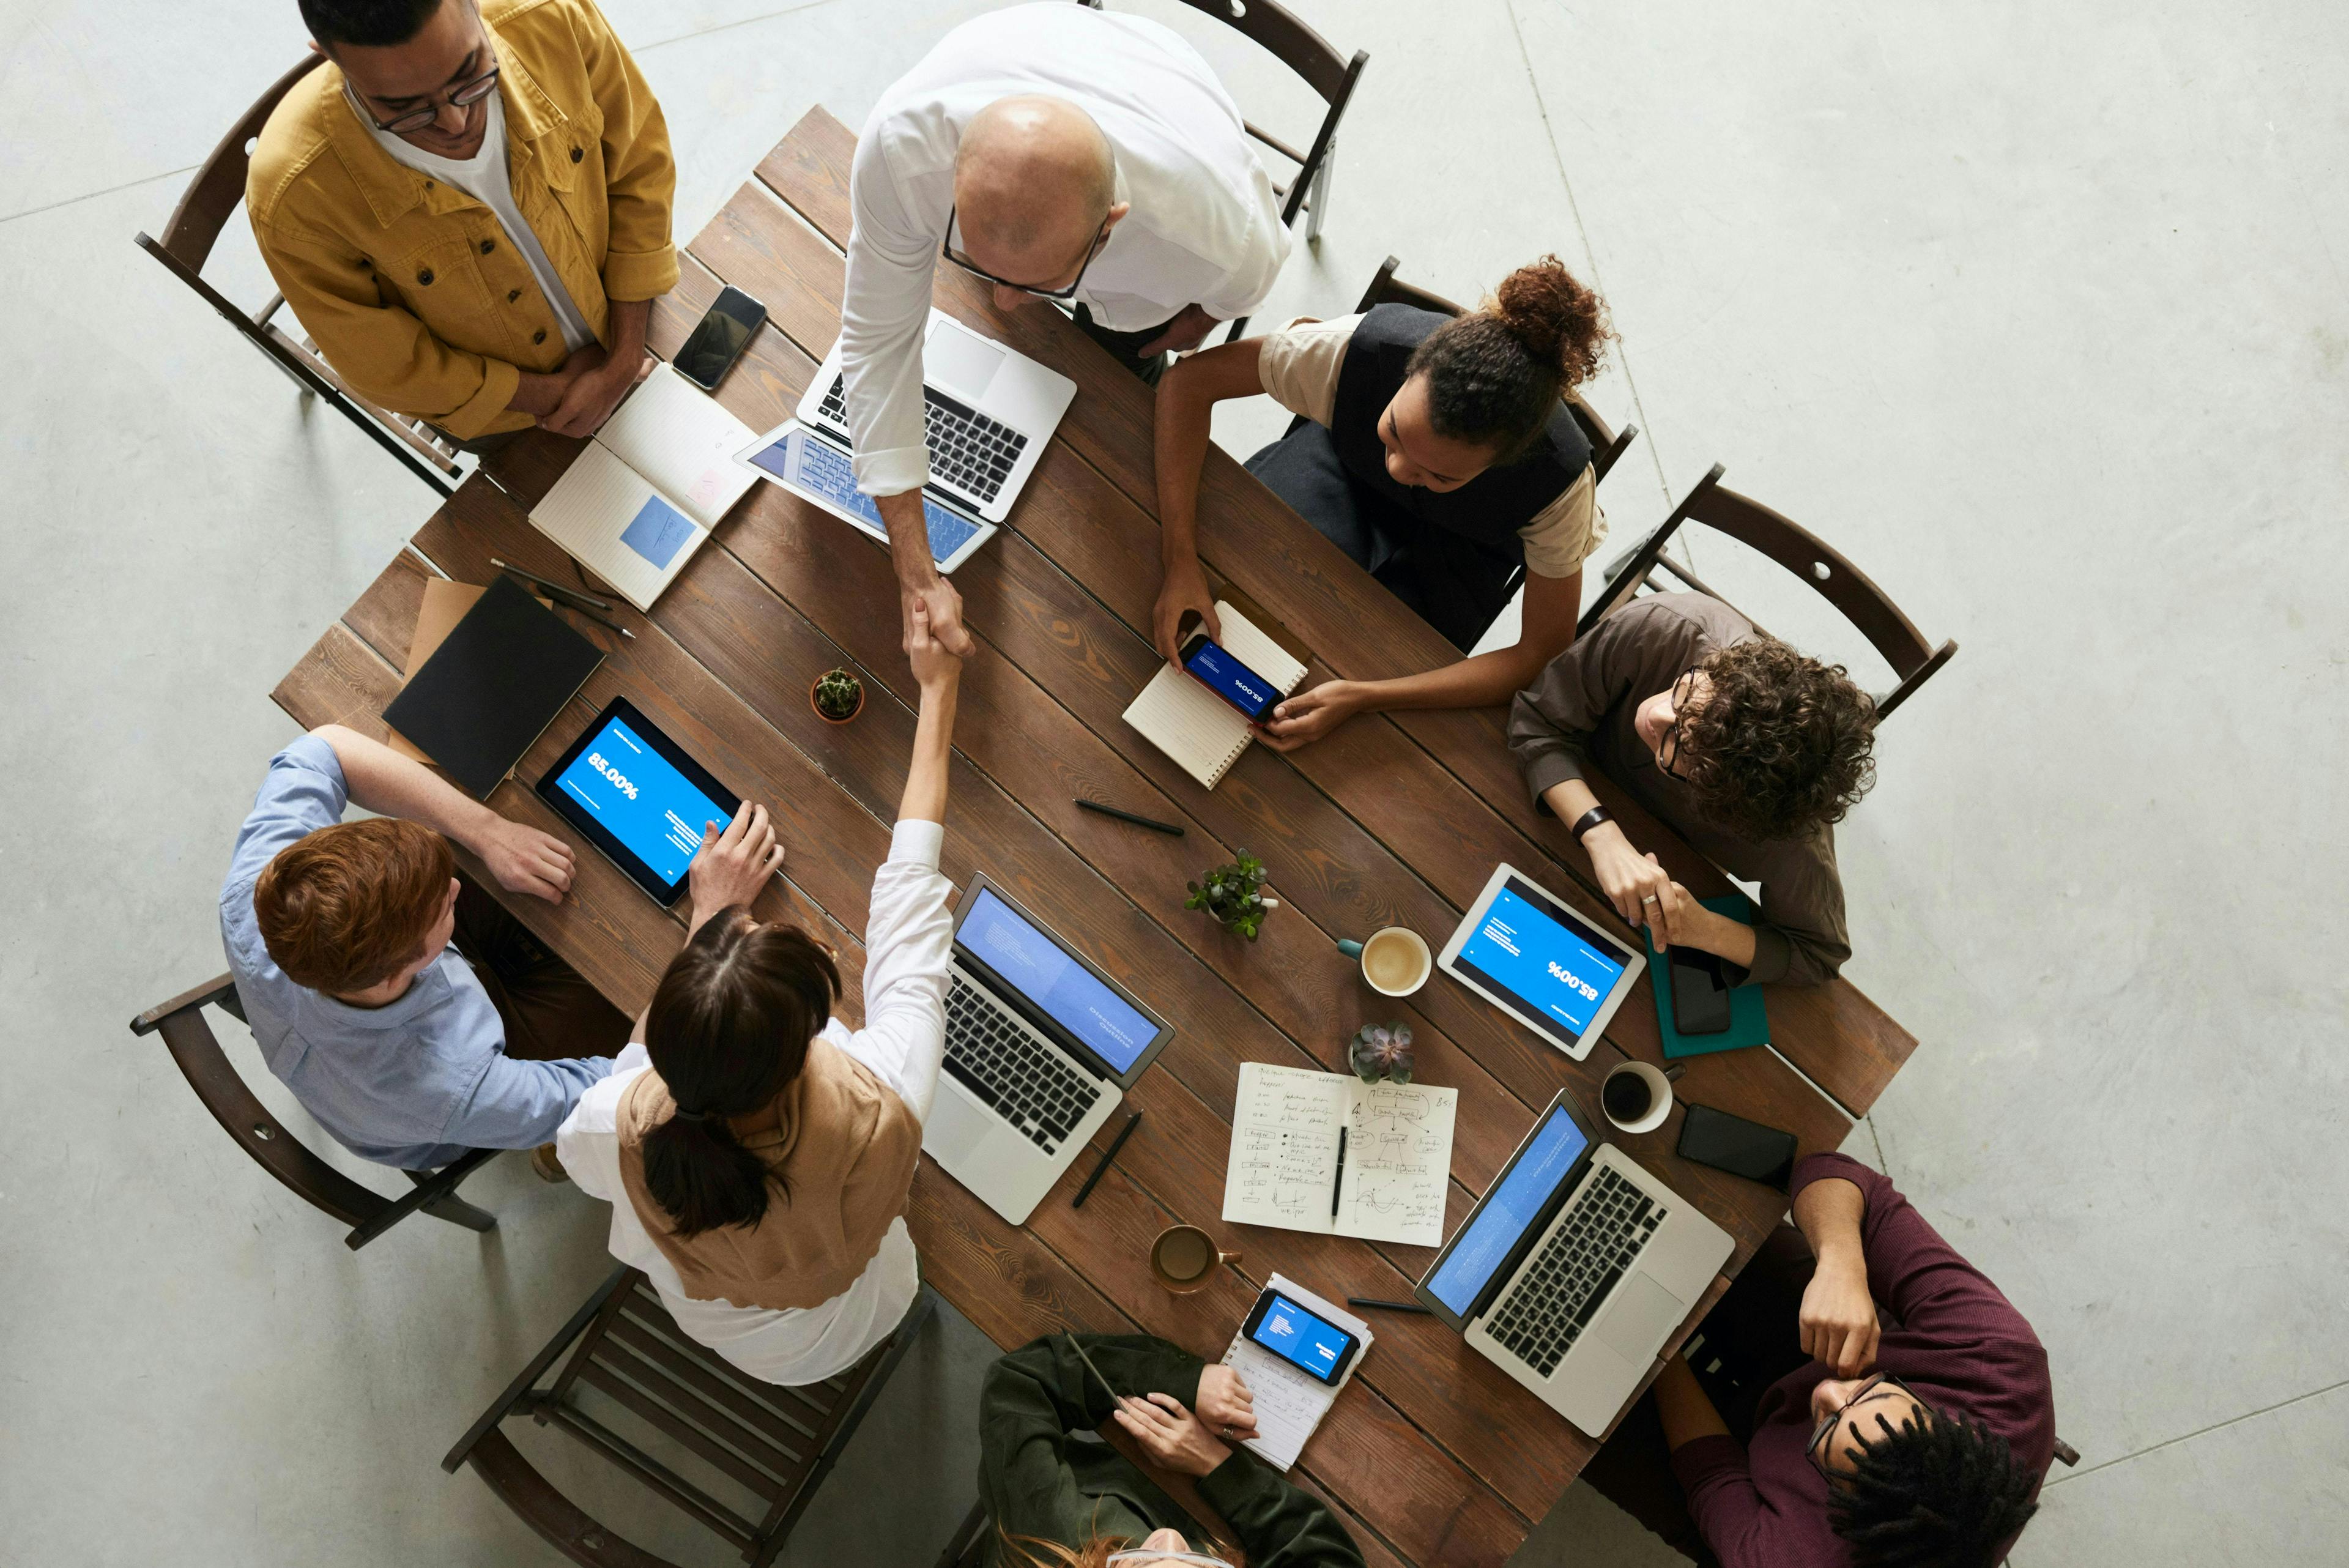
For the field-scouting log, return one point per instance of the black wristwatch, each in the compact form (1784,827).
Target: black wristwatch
(1589,820)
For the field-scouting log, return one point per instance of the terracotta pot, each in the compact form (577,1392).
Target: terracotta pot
(819,707)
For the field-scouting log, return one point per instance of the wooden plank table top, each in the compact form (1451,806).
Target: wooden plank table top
(1432,1455)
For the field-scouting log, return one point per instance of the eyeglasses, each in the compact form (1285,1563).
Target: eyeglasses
(465,94)
(1191,1557)
(946,249)
(1867,1390)
(1668,749)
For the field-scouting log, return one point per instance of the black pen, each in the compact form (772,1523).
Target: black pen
(1386,1306)
(1115,1144)
(599,620)
(1129,816)
(583,601)
(1339,1184)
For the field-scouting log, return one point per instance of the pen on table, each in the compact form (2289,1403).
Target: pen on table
(599,620)
(1339,1182)
(1386,1306)
(1129,816)
(1115,1144)
(560,590)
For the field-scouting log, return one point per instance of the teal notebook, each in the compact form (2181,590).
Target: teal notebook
(1748,1024)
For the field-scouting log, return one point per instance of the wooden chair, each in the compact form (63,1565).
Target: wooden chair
(967,1547)
(209,1072)
(1801,552)
(1274,28)
(777,1443)
(1605,446)
(187,243)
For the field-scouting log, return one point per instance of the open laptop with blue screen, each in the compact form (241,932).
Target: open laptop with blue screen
(1574,1268)
(1041,1047)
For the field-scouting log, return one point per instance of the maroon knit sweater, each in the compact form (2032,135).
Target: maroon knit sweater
(1958,1344)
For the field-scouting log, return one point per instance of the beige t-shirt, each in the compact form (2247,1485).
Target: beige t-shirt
(1298,366)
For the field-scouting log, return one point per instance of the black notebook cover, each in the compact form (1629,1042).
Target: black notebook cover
(499,678)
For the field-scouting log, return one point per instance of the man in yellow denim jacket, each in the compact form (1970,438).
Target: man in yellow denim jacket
(419,296)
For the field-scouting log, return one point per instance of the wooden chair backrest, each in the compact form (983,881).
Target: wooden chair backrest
(1809,558)
(1606,445)
(224,1094)
(218,185)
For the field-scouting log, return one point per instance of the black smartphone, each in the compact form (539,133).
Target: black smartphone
(1738,1146)
(719,339)
(1311,1344)
(1699,993)
(1211,664)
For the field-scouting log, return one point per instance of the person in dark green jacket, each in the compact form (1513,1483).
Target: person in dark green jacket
(1058,1498)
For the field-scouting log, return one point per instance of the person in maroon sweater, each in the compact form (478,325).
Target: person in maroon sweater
(1896,1409)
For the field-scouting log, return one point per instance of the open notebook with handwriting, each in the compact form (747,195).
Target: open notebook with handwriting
(1385,1180)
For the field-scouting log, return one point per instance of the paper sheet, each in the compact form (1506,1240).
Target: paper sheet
(1191,725)
(1288,1404)
(1284,1169)
(683,442)
(596,501)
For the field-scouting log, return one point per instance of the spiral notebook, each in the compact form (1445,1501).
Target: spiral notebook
(1288,1404)
(642,496)
(1193,725)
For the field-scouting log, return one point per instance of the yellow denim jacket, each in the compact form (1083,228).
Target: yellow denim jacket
(405,285)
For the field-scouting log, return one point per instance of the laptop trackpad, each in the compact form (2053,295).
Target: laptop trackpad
(956,1129)
(960,362)
(1643,1313)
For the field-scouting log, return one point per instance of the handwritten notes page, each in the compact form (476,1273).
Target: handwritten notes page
(1284,1167)
(1288,1404)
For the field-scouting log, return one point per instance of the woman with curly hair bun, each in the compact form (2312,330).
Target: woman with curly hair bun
(1436,451)
(1751,750)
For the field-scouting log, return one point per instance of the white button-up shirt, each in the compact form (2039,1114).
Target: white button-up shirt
(909,942)
(1204,228)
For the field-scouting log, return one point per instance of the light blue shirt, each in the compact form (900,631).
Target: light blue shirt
(414,1083)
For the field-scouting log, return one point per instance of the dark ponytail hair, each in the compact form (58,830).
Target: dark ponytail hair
(1494,376)
(728,1028)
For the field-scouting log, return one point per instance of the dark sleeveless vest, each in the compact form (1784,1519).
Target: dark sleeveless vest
(1490,508)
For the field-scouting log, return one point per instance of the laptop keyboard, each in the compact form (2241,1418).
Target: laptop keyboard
(973,453)
(995,1058)
(1556,1297)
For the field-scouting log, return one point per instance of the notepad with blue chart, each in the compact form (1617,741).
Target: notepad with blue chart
(815,469)
(642,496)
(1749,1022)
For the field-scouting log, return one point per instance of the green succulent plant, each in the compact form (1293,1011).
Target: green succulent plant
(1381,1051)
(1234,895)
(838,694)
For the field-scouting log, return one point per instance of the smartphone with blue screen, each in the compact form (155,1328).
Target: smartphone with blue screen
(1311,1344)
(1212,665)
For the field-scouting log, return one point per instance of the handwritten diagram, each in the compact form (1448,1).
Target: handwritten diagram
(1285,1167)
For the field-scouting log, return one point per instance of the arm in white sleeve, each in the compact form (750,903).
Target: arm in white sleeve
(883,312)
(908,943)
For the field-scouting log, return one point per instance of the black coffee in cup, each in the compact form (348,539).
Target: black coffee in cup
(1627,1097)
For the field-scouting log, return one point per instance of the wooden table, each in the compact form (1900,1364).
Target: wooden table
(1431,1454)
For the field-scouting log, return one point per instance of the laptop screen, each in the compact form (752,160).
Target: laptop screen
(1515,1206)
(1055,984)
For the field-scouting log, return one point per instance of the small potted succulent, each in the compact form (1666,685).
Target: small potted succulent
(837,696)
(1381,1051)
(1234,895)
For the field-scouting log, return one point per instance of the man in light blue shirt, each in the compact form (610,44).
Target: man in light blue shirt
(339,936)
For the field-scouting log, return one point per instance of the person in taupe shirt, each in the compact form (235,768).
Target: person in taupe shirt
(1751,750)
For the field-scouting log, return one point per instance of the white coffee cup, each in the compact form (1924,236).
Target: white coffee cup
(1395,959)
(1660,1097)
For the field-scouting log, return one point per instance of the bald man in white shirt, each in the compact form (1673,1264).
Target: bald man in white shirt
(1061,153)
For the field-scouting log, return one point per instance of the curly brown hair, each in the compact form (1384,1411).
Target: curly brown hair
(1781,746)
(1495,375)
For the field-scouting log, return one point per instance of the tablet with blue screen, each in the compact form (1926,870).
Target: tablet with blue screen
(639,798)
(1523,949)
(811,466)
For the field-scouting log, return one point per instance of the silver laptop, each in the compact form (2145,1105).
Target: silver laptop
(1574,1268)
(991,411)
(1041,1047)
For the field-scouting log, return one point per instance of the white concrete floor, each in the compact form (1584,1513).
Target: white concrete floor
(2033,310)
